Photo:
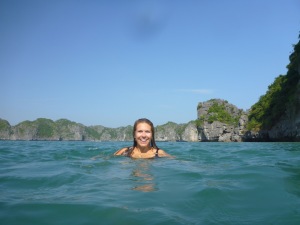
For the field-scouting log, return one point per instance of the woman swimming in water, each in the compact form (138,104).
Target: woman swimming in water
(144,145)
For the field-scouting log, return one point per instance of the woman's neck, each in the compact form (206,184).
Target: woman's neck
(143,149)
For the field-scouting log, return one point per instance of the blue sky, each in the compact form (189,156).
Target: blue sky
(111,62)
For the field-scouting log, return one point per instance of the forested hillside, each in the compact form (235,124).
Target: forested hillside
(281,96)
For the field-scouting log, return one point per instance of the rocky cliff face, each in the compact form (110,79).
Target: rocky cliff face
(177,132)
(286,129)
(276,115)
(45,129)
(220,121)
(5,129)
(190,133)
(114,134)
(167,132)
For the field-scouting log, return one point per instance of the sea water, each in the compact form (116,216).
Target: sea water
(205,183)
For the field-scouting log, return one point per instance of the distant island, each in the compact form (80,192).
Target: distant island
(275,117)
(63,129)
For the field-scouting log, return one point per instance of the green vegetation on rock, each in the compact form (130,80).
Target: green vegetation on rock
(45,128)
(90,132)
(280,96)
(4,125)
(162,128)
(218,112)
(181,128)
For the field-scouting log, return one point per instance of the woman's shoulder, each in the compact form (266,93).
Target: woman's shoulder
(123,151)
(162,153)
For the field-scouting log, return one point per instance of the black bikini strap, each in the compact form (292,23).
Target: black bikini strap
(129,151)
(156,153)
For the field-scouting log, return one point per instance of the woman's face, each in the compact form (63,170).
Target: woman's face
(143,134)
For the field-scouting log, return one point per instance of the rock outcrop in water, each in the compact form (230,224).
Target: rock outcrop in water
(220,121)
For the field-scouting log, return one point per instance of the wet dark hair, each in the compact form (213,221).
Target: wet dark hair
(144,120)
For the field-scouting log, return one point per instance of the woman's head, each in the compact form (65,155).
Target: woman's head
(143,133)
